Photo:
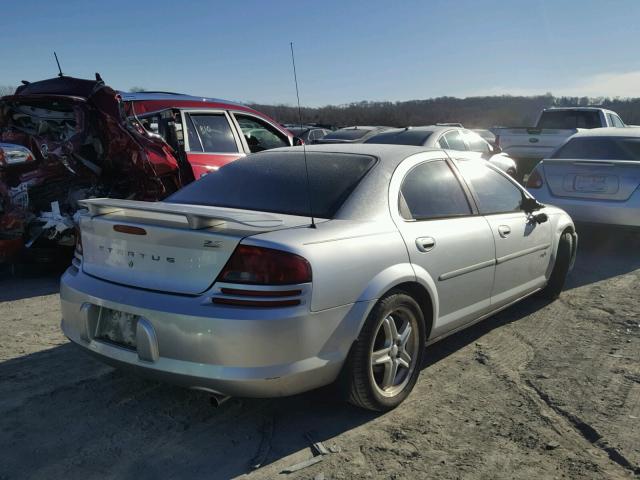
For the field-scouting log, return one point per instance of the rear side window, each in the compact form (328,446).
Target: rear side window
(431,190)
(277,182)
(569,119)
(210,133)
(404,137)
(494,193)
(600,148)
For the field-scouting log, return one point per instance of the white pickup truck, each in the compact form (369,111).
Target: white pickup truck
(528,145)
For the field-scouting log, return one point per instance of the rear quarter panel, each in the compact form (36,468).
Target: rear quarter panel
(350,261)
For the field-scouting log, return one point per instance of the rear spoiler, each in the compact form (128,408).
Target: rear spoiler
(198,216)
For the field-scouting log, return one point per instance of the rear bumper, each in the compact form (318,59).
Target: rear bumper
(603,212)
(229,350)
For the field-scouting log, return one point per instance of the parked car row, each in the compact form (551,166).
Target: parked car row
(529,145)
(309,134)
(295,266)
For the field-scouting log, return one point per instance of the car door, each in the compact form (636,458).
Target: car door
(522,245)
(446,239)
(210,142)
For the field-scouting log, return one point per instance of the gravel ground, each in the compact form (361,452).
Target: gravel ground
(541,390)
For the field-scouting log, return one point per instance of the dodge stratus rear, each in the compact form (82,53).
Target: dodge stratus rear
(212,288)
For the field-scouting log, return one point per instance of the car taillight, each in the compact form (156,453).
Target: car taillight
(11,154)
(535,179)
(265,266)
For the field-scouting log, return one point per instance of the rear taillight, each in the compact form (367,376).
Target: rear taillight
(535,179)
(265,266)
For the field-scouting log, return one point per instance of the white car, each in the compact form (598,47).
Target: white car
(595,176)
(449,137)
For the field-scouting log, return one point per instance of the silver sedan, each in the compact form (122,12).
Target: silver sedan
(451,137)
(261,281)
(594,176)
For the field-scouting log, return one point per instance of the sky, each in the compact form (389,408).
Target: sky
(346,51)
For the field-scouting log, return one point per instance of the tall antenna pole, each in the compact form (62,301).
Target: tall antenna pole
(59,69)
(304,147)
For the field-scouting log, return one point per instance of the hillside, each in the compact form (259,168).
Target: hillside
(473,112)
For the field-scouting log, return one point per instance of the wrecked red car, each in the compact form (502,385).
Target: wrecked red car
(66,139)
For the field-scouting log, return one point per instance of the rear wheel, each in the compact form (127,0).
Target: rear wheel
(560,269)
(385,361)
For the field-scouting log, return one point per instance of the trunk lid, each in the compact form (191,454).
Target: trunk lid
(614,180)
(167,247)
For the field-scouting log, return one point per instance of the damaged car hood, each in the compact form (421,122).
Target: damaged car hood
(82,146)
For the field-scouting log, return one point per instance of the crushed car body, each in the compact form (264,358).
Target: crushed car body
(66,139)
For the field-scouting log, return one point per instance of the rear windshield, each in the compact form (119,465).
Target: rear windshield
(600,148)
(405,137)
(568,119)
(351,134)
(277,182)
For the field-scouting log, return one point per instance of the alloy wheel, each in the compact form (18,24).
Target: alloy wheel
(394,352)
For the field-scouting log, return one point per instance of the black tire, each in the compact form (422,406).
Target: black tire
(361,387)
(560,269)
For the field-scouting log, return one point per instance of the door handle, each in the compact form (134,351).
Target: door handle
(425,244)
(504,231)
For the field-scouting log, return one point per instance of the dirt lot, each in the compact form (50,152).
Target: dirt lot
(538,391)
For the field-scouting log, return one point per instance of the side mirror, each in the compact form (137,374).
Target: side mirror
(530,205)
(297,141)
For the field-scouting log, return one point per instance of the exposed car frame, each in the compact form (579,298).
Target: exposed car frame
(85,139)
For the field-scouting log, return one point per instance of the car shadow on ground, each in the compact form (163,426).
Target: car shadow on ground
(62,409)
(604,252)
(62,413)
(28,280)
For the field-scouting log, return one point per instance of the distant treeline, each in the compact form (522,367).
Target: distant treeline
(472,112)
